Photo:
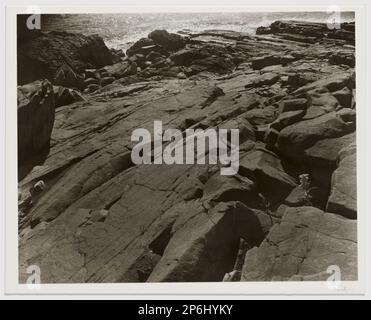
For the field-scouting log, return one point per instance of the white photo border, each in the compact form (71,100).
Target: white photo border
(209,288)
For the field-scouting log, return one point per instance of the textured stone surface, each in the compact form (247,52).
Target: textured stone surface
(39,57)
(100,218)
(305,243)
(296,138)
(266,169)
(343,196)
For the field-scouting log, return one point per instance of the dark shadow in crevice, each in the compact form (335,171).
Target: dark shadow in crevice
(159,244)
(25,165)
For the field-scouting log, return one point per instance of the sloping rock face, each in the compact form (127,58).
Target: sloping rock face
(290,211)
(42,54)
(201,249)
(302,246)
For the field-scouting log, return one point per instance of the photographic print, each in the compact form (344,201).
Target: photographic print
(187,147)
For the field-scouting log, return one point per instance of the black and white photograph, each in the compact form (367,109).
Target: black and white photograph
(187,146)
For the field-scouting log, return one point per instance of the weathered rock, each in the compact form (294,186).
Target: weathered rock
(287,118)
(347,151)
(261,116)
(294,105)
(343,195)
(64,96)
(344,96)
(246,130)
(324,99)
(343,58)
(325,151)
(334,82)
(153,56)
(298,197)
(314,112)
(297,37)
(297,80)
(265,79)
(186,56)
(100,218)
(294,139)
(35,112)
(131,70)
(204,249)
(170,41)
(348,115)
(305,243)
(118,69)
(66,77)
(266,170)
(229,188)
(143,42)
(40,57)
(262,62)
(270,137)
(310,31)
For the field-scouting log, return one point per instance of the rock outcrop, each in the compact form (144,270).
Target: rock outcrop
(101,218)
(310,32)
(303,246)
(343,196)
(36,112)
(41,55)
(169,41)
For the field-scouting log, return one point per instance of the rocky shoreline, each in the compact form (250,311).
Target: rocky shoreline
(87,214)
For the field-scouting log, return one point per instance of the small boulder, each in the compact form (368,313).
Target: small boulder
(261,116)
(64,96)
(137,46)
(169,41)
(186,56)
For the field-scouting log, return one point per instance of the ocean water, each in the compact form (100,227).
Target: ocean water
(120,30)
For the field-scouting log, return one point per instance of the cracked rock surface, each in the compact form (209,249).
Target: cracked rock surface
(289,90)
